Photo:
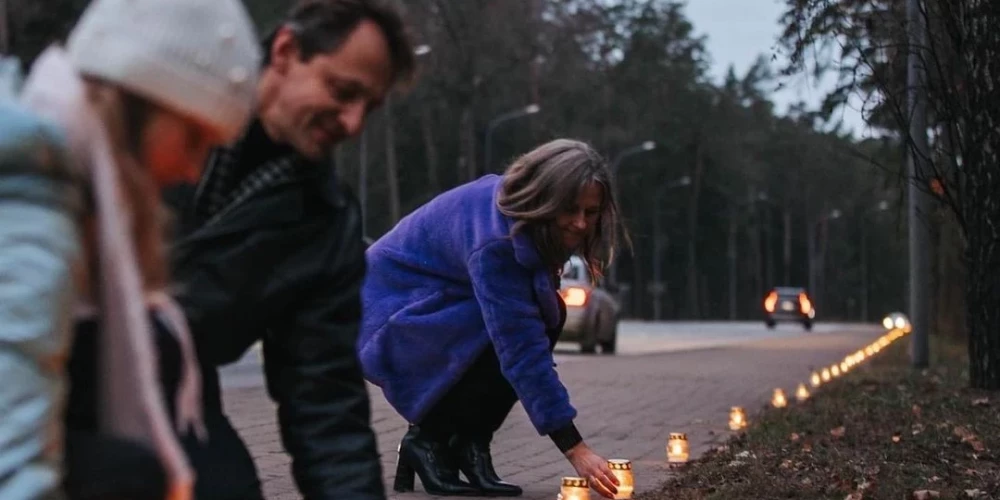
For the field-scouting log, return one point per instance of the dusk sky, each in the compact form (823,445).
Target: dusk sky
(740,30)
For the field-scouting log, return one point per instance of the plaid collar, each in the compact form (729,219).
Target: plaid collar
(231,179)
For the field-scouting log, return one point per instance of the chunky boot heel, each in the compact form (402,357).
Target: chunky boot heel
(404,477)
(432,460)
(476,462)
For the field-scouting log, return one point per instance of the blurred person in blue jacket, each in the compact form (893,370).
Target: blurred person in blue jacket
(135,99)
(462,312)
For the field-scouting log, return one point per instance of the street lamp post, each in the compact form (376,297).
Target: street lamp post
(494,123)
(659,244)
(391,169)
(881,207)
(812,252)
(638,148)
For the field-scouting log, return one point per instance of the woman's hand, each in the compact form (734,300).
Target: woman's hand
(594,469)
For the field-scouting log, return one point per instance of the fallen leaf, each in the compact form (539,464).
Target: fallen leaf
(974,493)
(934,479)
(981,402)
(786,464)
(925,494)
(807,448)
(854,496)
(838,432)
(896,438)
(968,437)
(917,411)
(794,437)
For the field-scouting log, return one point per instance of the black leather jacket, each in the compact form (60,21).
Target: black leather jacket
(285,266)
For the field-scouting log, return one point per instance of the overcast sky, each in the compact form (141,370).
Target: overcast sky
(740,30)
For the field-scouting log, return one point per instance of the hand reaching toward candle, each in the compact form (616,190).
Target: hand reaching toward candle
(591,466)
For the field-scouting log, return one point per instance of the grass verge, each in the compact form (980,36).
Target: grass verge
(881,431)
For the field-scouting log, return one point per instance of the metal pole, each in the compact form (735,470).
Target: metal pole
(918,203)
(645,146)
(864,271)
(657,257)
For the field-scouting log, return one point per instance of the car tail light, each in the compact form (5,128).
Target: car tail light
(804,303)
(770,302)
(574,296)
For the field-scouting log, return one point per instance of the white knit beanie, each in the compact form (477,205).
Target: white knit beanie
(198,57)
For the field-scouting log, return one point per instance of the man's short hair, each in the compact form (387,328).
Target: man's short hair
(322,26)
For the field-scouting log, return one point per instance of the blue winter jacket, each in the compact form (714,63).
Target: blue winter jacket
(447,283)
(39,245)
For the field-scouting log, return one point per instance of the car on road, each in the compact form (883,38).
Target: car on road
(897,320)
(788,304)
(591,311)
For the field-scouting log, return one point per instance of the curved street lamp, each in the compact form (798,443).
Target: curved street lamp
(494,123)
(638,148)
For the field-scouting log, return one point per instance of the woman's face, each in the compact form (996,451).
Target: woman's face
(175,147)
(577,221)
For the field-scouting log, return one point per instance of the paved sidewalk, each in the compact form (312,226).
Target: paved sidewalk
(627,405)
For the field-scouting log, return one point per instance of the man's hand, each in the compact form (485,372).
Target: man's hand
(594,469)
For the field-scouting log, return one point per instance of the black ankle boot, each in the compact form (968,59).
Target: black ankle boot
(432,460)
(475,461)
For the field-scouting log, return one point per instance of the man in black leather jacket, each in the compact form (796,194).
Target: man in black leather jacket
(270,249)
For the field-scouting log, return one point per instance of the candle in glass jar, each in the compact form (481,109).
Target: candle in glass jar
(622,469)
(802,394)
(574,488)
(737,418)
(779,400)
(678,449)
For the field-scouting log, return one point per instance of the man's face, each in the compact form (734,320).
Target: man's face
(322,101)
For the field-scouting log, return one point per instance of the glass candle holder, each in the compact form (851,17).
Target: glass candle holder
(678,449)
(802,394)
(778,400)
(574,488)
(737,418)
(622,469)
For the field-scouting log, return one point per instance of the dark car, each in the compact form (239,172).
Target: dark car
(788,304)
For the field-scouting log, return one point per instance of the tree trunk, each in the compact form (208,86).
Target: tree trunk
(391,166)
(753,235)
(769,249)
(467,136)
(694,297)
(430,148)
(787,249)
(731,258)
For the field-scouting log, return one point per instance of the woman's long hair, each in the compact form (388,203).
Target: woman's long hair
(124,116)
(543,183)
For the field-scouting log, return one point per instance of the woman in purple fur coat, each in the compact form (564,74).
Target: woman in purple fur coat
(462,311)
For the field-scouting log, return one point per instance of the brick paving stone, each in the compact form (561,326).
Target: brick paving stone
(627,406)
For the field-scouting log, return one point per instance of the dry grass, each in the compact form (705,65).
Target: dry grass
(882,431)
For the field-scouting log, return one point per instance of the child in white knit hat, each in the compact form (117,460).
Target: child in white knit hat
(141,91)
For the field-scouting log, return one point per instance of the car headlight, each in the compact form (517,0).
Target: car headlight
(887,323)
(900,323)
(574,296)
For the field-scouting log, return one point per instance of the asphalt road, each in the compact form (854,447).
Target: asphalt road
(634,338)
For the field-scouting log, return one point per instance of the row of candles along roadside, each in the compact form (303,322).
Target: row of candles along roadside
(678,449)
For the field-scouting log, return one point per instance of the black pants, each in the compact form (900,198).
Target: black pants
(479,403)
(101,467)
(225,468)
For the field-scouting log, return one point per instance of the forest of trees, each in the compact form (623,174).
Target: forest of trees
(772,200)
